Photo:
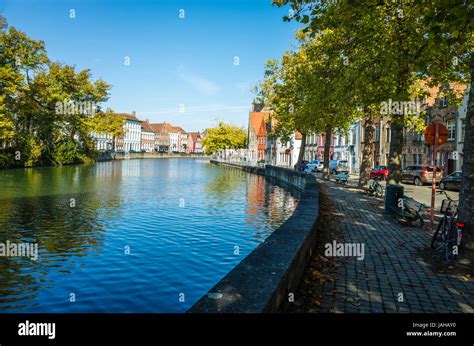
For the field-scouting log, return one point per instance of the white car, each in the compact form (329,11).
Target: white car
(314,166)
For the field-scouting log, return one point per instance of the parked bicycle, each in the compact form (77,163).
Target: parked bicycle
(448,234)
(376,189)
(410,211)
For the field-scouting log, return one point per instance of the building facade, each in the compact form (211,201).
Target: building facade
(131,138)
(103,141)
(194,143)
(353,147)
(162,137)
(147,142)
(257,133)
(417,152)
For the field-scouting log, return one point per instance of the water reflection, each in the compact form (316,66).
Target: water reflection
(174,247)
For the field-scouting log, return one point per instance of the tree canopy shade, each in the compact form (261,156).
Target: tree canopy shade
(47,109)
(305,89)
(408,42)
(224,136)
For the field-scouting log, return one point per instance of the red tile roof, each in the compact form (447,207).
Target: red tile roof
(177,129)
(164,127)
(255,120)
(194,136)
(130,117)
(146,126)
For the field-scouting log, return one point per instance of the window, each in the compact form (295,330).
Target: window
(405,133)
(417,159)
(451,125)
(377,132)
(387,135)
(443,102)
(404,160)
(417,136)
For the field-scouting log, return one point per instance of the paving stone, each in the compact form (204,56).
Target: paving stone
(391,266)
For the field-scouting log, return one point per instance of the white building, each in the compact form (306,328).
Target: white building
(183,141)
(340,146)
(286,153)
(147,139)
(174,140)
(102,141)
(131,138)
(353,147)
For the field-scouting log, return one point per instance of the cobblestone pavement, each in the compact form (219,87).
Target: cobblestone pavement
(392,264)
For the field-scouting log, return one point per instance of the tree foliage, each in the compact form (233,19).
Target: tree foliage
(224,136)
(394,45)
(47,109)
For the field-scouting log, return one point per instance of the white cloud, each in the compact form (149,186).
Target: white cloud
(199,83)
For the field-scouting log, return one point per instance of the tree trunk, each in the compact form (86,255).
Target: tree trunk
(327,147)
(466,196)
(396,151)
(301,153)
(367,152)
(397,123)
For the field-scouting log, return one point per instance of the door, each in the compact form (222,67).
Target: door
(451,166)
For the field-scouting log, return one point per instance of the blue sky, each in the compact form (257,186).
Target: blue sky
(173,61)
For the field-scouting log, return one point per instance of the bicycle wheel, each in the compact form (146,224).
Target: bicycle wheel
(379,190)
(418,222)
(451,243)
(439,235)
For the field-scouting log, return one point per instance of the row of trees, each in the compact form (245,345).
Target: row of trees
(47,109)
(352,57)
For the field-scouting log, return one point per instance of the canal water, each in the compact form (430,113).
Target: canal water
(130,236)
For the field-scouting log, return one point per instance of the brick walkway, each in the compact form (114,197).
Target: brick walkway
(392,265)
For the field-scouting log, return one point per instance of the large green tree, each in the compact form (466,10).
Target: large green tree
(405,40)
(304,90)
(427,40)
(45,107)
(224,136)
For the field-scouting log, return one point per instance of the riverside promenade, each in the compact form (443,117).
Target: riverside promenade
(395,274)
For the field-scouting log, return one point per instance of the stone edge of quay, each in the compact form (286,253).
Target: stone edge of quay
(263,280)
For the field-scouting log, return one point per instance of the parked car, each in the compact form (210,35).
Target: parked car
(314,166)
(380,172)
(338,166)
(304,163)
(420,175)
(451,181)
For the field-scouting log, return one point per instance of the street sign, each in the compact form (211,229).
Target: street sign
(430,134)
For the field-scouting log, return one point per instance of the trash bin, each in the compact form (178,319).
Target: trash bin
(392,194)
